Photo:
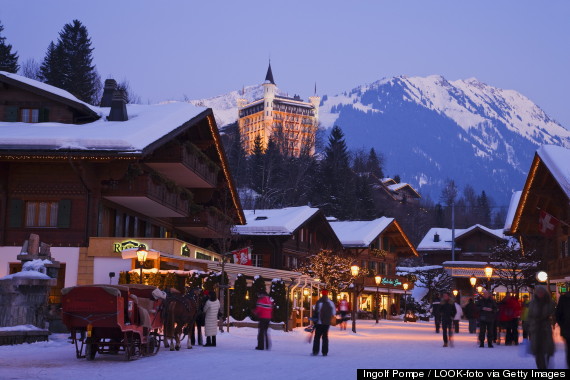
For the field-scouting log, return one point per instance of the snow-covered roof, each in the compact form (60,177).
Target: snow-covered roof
(283,221)
(557,160)
(47,88)
(515,198)
(146,124)
(444,243)
(360,233)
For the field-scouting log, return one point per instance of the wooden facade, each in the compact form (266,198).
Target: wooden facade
(546,189)
(289,250)
(177,186)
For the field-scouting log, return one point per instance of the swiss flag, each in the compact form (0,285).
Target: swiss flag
(242,256)
(547,224)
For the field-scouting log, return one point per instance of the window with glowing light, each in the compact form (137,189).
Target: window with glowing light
(41,214)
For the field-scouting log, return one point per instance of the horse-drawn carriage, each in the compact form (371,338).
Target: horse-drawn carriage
(108,319)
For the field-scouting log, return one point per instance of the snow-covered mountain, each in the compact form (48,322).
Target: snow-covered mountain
(430,129)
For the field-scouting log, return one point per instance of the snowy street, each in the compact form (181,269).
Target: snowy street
(391,344)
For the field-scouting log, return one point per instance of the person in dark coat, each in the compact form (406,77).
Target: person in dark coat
(487,314)
(540,312)
(435,310)
(196,297)
(324,310)
(470,312)
(563,320)
(448,311)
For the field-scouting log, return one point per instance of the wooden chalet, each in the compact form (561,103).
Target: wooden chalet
(70,172)
(376,246)
(542,217)
(283,238)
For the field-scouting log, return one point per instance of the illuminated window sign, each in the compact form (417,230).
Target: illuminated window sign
(119,247)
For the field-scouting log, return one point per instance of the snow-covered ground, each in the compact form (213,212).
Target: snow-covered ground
(390,344)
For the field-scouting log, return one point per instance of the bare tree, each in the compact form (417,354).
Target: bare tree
(30,69)
(514,269)
(132,97)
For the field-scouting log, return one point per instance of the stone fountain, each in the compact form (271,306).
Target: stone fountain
(24,295)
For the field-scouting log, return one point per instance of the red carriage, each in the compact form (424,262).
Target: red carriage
(109,319)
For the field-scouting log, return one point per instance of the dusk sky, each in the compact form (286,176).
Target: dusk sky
(198,49)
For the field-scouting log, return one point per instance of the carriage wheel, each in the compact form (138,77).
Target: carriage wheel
(90,349)
(153,343)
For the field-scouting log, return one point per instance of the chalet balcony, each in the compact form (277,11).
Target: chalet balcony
(206,224)
(185,167)
(147,196)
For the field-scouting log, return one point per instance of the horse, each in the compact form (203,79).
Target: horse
(180,311)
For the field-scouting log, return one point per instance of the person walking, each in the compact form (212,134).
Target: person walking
(487,314)
(435,310)
(448,311)
(470,312)
(458,316)
(524,316)
(343,309)
(324,310)
(211,309)
(540,312)
(513,312)
(264,312)
(563,320)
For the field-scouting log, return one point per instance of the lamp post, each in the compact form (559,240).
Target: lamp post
(480,289)
(473,281)
(405,285)
(542,276)
(305,294)
(489,274)
(354,272)
(141,257)
(455,292)
(378,280)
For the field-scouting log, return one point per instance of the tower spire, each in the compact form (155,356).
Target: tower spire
(269,75)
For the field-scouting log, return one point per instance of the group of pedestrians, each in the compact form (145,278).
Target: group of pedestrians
(537,316)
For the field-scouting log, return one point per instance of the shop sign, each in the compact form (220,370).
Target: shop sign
(391,281)
(119,247)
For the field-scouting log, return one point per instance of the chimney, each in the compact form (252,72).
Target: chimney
(118,107)
(108,91)
(436,237)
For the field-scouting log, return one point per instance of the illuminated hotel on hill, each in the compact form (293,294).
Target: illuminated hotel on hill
(291,121)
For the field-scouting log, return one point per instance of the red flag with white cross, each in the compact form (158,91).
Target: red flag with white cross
(547,224)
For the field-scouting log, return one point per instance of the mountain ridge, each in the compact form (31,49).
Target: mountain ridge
(430,129)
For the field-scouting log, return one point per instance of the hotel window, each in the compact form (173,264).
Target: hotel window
(41,214)
(257,260)
(30,115)
(202,256)
(564,248)
(372,266)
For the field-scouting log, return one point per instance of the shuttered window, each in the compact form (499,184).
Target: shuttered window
(30,115)
(41,214)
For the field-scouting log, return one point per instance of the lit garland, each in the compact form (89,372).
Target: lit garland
(406,238)
(66,157)
(525,193)
(221,154)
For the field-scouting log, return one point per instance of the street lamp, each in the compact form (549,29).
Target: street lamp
(354,272)
(480,289)
(473,281)
(455,292)
(542,276)
(305,294)
(405,285)
(489,274)
(141,257)
(378,280)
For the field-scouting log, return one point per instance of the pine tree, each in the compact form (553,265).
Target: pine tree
(256,169)
(8,60)
(484,209)
(337,195)
(278,294)
(374,164)
(239,306)
(68,63)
